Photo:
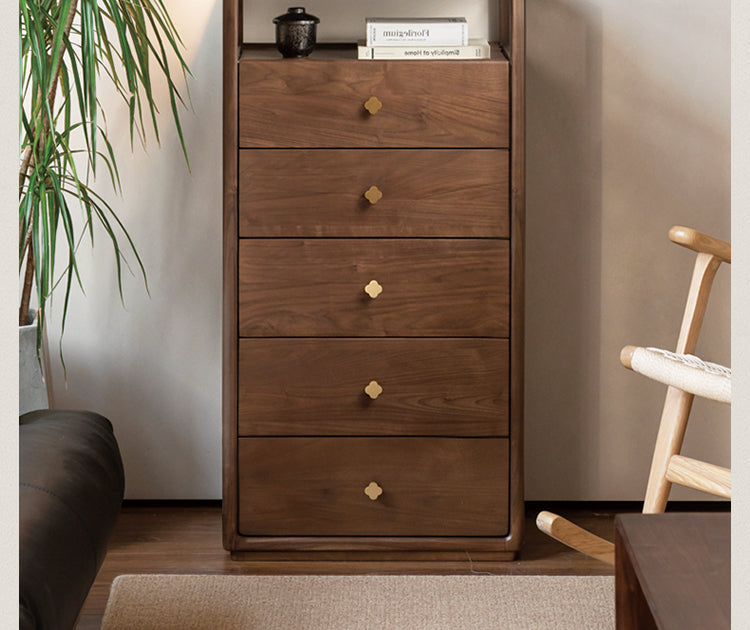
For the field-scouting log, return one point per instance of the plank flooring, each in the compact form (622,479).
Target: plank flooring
(186,538)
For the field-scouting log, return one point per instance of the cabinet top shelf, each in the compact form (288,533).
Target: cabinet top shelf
(338,51)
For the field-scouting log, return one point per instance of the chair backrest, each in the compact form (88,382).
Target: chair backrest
(685,377)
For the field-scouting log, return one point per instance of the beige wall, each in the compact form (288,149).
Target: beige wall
(153,366)
(628,134)
(344,21)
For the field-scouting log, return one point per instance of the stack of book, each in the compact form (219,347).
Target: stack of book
(420,38)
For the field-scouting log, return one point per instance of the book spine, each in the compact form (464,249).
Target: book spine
(417,33)
(476,51)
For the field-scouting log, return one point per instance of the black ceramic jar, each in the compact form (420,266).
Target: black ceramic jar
(295,32)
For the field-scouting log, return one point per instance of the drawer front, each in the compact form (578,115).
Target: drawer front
(429,288)
(324,387)
(416,193)
(316,486)
(308,103)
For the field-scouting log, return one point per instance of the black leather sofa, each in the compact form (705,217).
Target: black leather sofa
(71,489)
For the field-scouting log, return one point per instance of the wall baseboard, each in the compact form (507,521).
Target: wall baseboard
(607,507)
(616,507)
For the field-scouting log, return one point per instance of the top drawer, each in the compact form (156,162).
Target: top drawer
(321,103)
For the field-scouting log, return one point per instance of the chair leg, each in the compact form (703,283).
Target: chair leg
(674,419)
(576,537)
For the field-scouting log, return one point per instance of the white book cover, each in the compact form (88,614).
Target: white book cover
(417,31)
(476,49)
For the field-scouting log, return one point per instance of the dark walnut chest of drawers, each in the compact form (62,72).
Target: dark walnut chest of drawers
(373,283)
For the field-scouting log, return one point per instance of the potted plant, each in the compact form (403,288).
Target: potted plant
(66,47)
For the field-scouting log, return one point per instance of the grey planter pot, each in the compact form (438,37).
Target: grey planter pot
(32,389)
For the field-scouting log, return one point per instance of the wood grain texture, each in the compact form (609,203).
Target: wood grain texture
(673,571)
(374,548)
(320,103)
(700,476)
(326,51)
(576,537)
(315,486)
(426,193)
(232,38)
(430,387)
(432,288)
(704,272)
(700,242)
(516,28)
(505,25)
(632,610)
(678,403)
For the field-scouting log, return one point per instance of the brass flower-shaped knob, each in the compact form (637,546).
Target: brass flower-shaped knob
(373,390)
(373,289)
(373,491)
(373,195)
(373,105)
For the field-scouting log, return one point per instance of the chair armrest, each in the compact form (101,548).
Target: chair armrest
(701,243)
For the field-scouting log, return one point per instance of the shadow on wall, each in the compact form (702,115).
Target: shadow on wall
(627,135)
(153,365)
(563,261)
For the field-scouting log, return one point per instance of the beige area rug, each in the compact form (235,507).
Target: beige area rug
(197,602)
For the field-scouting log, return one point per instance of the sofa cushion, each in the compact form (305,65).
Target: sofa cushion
(71,489)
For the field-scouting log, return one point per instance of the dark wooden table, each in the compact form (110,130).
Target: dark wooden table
(673,571)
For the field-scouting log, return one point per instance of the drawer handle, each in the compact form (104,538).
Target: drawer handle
(373,105)
(373,195)
(373,491)
(373,289)
(373,390)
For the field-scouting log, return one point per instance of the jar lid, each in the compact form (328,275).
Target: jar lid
(296,15)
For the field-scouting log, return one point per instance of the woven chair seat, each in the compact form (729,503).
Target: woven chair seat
(686,372)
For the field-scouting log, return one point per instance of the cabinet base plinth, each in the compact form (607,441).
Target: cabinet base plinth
(374,563)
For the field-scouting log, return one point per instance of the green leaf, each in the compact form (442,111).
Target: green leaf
(130,44)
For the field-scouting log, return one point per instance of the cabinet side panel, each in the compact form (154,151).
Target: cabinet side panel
(518,230)
(229,307)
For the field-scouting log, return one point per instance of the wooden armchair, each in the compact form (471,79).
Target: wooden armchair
(685,376)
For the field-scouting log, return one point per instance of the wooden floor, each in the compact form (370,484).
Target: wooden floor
(186,538)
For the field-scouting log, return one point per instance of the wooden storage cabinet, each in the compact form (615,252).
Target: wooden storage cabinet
(373,295)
